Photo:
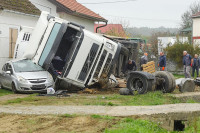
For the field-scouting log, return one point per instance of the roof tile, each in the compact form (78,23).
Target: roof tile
(74,6)
(24,6)
(196,14)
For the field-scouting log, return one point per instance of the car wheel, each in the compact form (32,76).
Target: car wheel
(14,88)
(1,87)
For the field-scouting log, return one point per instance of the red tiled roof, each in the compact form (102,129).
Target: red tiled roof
(78,8)
(117,27)
(196,15)
(24,6)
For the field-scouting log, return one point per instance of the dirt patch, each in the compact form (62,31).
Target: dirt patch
(46,124)
(12,96)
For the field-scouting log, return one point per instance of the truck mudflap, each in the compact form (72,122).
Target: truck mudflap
(67,84)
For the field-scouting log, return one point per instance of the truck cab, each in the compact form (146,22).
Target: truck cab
(79,57)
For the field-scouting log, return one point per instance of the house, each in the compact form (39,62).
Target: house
(16,13)
(195,28)
(111,29)
(163,42)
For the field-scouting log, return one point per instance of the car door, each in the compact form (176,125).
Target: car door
(2,75)
(8,77)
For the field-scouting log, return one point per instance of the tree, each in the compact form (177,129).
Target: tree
(175,52)
(186,18)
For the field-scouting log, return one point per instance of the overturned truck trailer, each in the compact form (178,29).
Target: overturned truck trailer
(78,58)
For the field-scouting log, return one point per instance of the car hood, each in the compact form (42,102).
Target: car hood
(33,75)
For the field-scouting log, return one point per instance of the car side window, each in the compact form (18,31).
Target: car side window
(9,68)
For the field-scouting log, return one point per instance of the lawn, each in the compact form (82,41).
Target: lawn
(151,98)
(5,92)
(177,76)
(84,124)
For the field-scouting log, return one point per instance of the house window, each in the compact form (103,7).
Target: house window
(13,33)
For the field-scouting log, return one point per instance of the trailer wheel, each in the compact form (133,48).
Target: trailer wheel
(167,82)
(138,83)
(173,82)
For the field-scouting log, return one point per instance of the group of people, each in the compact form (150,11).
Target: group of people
(189,62)
(131,65)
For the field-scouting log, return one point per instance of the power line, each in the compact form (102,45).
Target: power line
(110,2)
(148,19)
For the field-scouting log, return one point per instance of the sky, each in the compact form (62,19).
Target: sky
(141,13)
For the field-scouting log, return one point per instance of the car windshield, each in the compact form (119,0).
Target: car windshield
(26,66)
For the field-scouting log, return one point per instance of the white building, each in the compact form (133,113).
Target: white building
(16,13)
(196,29)
(163,42)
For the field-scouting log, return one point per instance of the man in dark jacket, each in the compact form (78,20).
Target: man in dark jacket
(162,61)
(195,65)
(187,64)
(130,66)
(143,60)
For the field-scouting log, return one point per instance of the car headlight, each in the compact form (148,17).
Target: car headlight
(21,79)
(49,77)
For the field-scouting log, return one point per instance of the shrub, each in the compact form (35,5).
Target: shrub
(175,52)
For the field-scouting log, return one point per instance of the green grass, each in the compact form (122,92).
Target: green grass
(151,98)
(5,92)
(194,126)
(106,117)
(69,115)
(129,125)
(178,76)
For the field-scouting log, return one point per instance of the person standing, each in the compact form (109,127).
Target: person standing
(143,60)
(187,64)
(162,61)
(195,65)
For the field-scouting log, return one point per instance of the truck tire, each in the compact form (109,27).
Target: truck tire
(173,82)
(139,83)
(187,85)
(168,85)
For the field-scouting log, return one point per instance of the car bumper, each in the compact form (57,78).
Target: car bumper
(31,87)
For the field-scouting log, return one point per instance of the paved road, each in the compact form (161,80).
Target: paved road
(102,110)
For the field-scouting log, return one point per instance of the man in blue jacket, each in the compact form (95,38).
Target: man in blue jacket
(187,64)
(130,66)
(162,61)
(195,65)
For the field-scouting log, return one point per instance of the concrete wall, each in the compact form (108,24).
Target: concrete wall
(89,24)
(196,31)
(11,20)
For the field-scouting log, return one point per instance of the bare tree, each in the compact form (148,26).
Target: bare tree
(187,16)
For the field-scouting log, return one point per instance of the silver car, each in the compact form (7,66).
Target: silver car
(25,76)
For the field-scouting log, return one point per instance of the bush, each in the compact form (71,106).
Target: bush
(175,52)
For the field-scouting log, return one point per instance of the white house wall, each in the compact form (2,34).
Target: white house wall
(89,24)
(45,5)
(11,20)
(196,30)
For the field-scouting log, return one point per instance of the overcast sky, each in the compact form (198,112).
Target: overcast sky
(142,13)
